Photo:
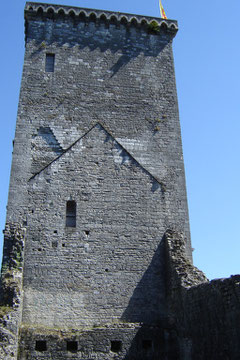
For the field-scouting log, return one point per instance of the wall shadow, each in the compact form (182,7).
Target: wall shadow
(154,343)
(129,41)
(148,302)
(157,338)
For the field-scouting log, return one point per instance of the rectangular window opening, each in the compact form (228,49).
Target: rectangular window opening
(147,344)
(116,345)
(71,214)
(41,345)
(54,244)
(72,346)
(49,64)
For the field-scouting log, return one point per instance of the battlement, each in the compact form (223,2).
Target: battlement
(150,24)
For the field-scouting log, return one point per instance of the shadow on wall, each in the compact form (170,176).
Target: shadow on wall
(126,40)
(148,302)
(157,338)
(154,343)
(47,134)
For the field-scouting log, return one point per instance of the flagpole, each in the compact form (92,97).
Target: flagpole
(162,12)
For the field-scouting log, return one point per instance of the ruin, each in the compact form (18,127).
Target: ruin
(97,260)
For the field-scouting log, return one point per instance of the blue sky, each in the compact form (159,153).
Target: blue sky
(207,58)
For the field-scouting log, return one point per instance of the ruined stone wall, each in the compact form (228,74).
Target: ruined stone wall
(206,314)
(212,315)
(11,291)
(123,341)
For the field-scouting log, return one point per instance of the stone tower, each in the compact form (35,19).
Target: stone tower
(97,180)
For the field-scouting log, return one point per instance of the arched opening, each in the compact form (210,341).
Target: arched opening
(40,11)
(72,14)
(82,16)
(123,21)
(50,12)
(61,12)
(103,18)
(134,22)
(92,17)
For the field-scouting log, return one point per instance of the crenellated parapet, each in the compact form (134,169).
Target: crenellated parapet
(150,24)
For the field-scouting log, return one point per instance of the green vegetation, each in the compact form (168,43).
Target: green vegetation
(42,45)
(4,310)
(19,259)
(154,27)
(4,268)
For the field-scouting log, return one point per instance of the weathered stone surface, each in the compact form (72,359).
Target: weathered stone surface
(99,128)
(11,290)
(98,182)
(119,75)
(206,314)
(110,266)
(135,341)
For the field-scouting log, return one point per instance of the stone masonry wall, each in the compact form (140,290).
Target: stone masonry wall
(134,342)
(109,267)
(118,73)
(206,314)
(212,314)
(101,128)
(11,291)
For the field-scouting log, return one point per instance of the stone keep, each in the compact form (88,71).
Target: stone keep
(97,193)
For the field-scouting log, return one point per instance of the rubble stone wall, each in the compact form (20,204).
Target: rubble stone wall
(11,291)
(206,314)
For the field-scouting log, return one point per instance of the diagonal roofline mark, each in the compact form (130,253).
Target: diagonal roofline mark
(81,137)
(66,150)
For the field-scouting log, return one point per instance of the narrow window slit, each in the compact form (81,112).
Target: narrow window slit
(72,346)
(41,345)
(147,344)
(71,214)
(50,61)
(116,346)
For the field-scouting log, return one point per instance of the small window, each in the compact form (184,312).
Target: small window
(116,346)
(147,344)
(71,214)
(72,346)
(41,345)
(50,60)
(54,244)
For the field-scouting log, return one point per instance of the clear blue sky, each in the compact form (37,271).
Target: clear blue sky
(207,62)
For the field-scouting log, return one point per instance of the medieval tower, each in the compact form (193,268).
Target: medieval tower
(97,226)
